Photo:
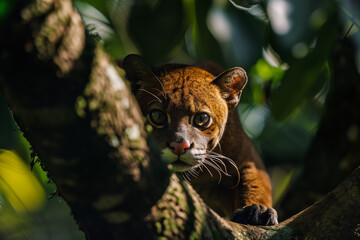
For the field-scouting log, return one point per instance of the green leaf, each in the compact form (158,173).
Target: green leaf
(285,143)
(114,47)
(262,76)
(267,72)
(282,180)
(6,7)
(255,8)
(351,10)
(296,84)
(306,74)
(245,3)
(18,184)
(157,30)
(204,43)
(101,6)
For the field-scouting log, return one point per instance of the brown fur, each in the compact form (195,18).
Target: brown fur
(181,92)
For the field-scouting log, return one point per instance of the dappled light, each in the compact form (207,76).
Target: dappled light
(279,14)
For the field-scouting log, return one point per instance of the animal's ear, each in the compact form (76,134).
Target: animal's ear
(136,70)
(231,83)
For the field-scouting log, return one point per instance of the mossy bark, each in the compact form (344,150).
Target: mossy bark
(75,109)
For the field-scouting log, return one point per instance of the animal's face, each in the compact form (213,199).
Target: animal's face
(188,114)
(186,106)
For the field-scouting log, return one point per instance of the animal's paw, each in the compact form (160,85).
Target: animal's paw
(255,215)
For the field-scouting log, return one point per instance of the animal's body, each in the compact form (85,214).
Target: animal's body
(194,120)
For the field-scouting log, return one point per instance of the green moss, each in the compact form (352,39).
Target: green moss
(183,204)
(158,226)
(94,104)
(80,106)
(281,234)
(136,144)
(136,157)
(100,130)
(173,224)
(194,236)
(357,231)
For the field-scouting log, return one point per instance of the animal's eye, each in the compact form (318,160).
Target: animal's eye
(157,118)
(202,120)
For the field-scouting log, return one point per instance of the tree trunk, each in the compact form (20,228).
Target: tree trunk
(76,111)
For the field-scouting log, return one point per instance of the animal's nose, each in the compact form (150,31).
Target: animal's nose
(180,147)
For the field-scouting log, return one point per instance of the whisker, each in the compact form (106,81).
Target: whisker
(186,177)
(207,169)
(220,150)
(159,90)
(238,179)
(141,89)
(223,157)
(158,80)
(217,170)
(192,173)
(215,159)
(214,162)
(219,158)
(230,161)
(222,162)
(195,171)
(200,167)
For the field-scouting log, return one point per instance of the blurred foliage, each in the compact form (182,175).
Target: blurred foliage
(18,184)
(25,211)
(157,30)
(311,66)
(6,7)
(202,41)
(52,222)
(283,44)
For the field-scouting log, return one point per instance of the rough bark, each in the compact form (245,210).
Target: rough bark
(76,111)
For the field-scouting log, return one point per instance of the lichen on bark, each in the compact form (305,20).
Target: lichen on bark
(55,39)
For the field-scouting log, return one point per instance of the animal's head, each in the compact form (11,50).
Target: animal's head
(186,106)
